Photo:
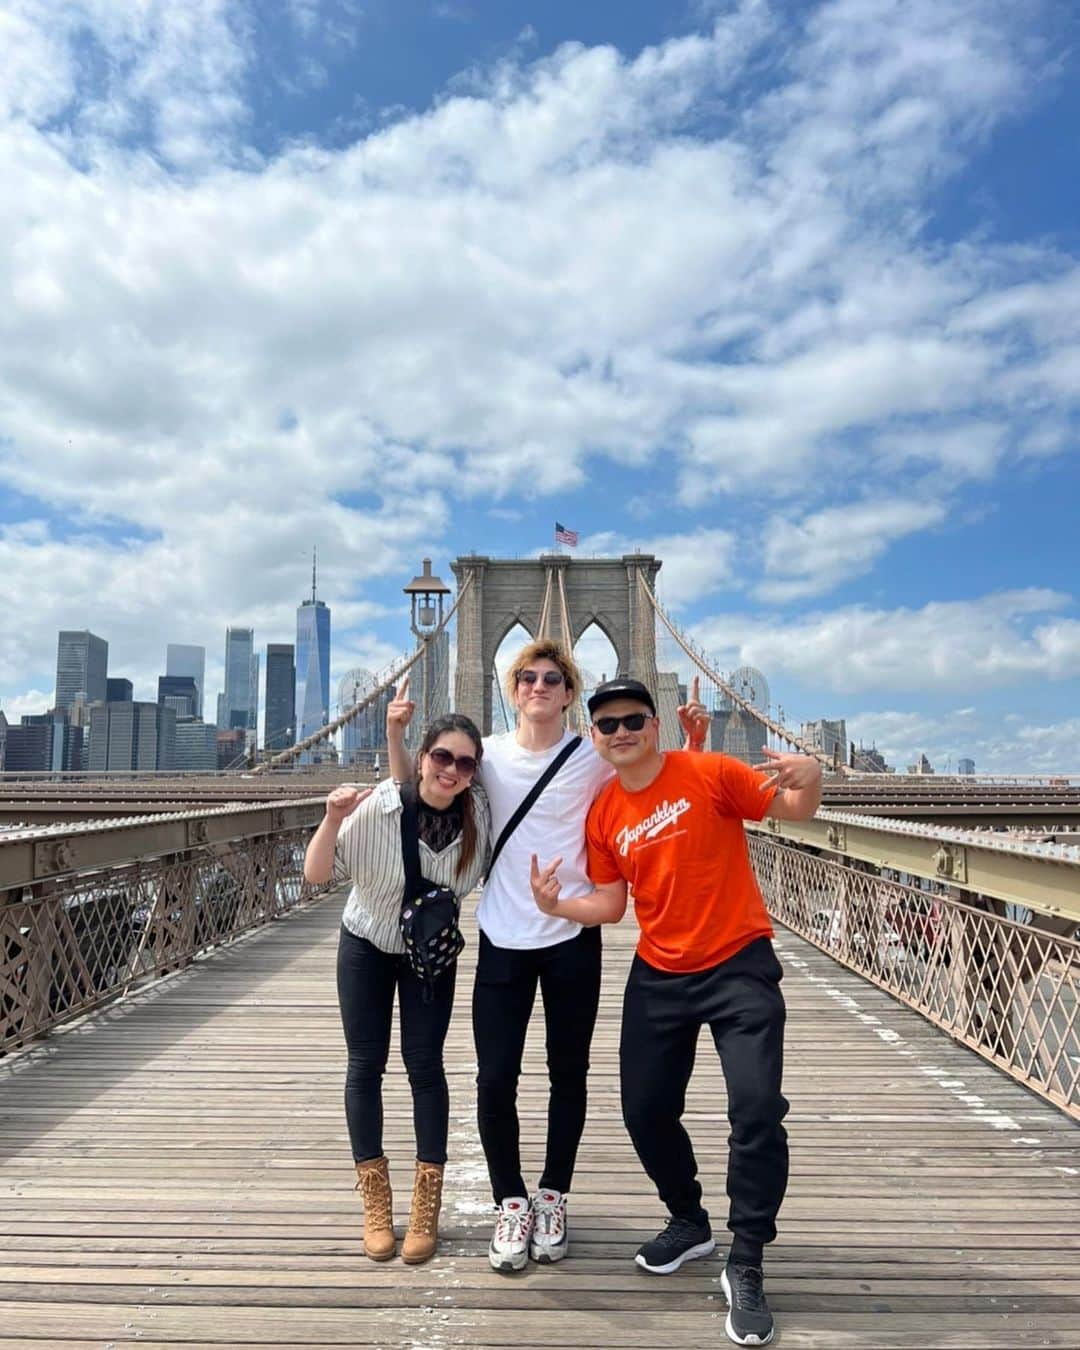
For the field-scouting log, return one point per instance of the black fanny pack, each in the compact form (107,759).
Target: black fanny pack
(429,913)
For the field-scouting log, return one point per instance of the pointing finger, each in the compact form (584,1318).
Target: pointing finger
(695,689)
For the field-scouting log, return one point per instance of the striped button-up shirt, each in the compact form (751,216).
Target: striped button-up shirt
(369,854)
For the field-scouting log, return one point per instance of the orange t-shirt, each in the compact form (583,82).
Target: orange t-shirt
(681,846)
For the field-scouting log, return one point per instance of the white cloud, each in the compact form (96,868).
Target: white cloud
(806,557)
(696,563)
(995,641)
(1018,747)
(213,354)
(32,701)
(114,70)
(456,284)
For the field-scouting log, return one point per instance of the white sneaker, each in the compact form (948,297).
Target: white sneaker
(509,1248)
(549,1241)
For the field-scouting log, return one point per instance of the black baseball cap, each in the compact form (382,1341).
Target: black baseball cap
(621,688)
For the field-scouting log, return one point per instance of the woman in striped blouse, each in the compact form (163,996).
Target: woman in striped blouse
(361,835)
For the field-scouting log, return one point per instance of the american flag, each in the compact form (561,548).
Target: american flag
(565,536)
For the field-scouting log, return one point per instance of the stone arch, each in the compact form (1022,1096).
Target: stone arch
(505,592)
(595,652)
(506,646)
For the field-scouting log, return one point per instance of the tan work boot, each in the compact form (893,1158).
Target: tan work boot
(373,1183)
(423,1235)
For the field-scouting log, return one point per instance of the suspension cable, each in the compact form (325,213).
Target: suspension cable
(545,608)
(781,732)
(578,713)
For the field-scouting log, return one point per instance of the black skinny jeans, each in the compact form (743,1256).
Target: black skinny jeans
(366,981)
(741,1003)
(568,974)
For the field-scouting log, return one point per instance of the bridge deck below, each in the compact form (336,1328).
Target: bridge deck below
(176,1172)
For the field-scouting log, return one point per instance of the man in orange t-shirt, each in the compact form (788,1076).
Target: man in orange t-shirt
(669,825)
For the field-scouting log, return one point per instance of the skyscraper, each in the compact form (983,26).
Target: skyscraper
(828,735)
(132,736)
(81,664)
(367,731)
(44,742)
(312,665)
(179,692)
(184,660)
(239,705)
(196,745)
(280,730)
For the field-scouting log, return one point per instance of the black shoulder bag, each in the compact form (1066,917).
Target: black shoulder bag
(530,797)
(429,913)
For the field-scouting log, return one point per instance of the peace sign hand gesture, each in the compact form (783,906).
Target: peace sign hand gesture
(791,771)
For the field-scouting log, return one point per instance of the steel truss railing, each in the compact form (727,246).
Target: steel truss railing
(86,911)
(1009,990)
(71,940)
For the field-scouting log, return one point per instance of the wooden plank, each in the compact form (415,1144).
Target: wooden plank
(474,1286)
(431,1326)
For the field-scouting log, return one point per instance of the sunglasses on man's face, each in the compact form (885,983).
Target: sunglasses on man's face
(443,759)
(608,726)
(550,677)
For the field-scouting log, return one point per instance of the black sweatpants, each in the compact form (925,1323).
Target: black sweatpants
(367,979)
(741,1003)
(568,974)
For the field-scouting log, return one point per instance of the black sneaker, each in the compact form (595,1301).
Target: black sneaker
(749,1321)
(682,1240)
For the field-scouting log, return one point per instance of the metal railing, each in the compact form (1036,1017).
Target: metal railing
(979,968)
(86,912)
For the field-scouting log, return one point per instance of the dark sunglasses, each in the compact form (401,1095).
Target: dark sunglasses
(550,677)
(465,764)
(608,726)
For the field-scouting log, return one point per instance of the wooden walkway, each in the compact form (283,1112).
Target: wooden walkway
(176,1171)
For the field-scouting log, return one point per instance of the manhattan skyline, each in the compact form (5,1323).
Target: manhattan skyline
(782,293)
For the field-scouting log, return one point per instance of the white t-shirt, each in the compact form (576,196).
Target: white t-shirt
(554,828)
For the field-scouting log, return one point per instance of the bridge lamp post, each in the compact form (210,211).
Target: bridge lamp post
(426,593)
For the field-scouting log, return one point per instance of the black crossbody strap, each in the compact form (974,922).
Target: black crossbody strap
(527,804)
(410,840)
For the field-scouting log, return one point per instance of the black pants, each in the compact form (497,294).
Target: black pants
(366,981)
(741,1003)
(568,974)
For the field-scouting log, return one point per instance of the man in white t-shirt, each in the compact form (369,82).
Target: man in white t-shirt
(522,948)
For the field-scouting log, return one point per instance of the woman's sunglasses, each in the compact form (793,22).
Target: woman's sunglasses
(549,677)
(608,726)
(443,759)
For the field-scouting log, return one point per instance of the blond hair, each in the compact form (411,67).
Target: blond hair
(544,649)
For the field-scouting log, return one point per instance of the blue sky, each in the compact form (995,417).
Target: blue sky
(788,294)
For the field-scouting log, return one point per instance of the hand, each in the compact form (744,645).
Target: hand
(399,710)
(344,800)
(789,771)
(545,885)
(694,717)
